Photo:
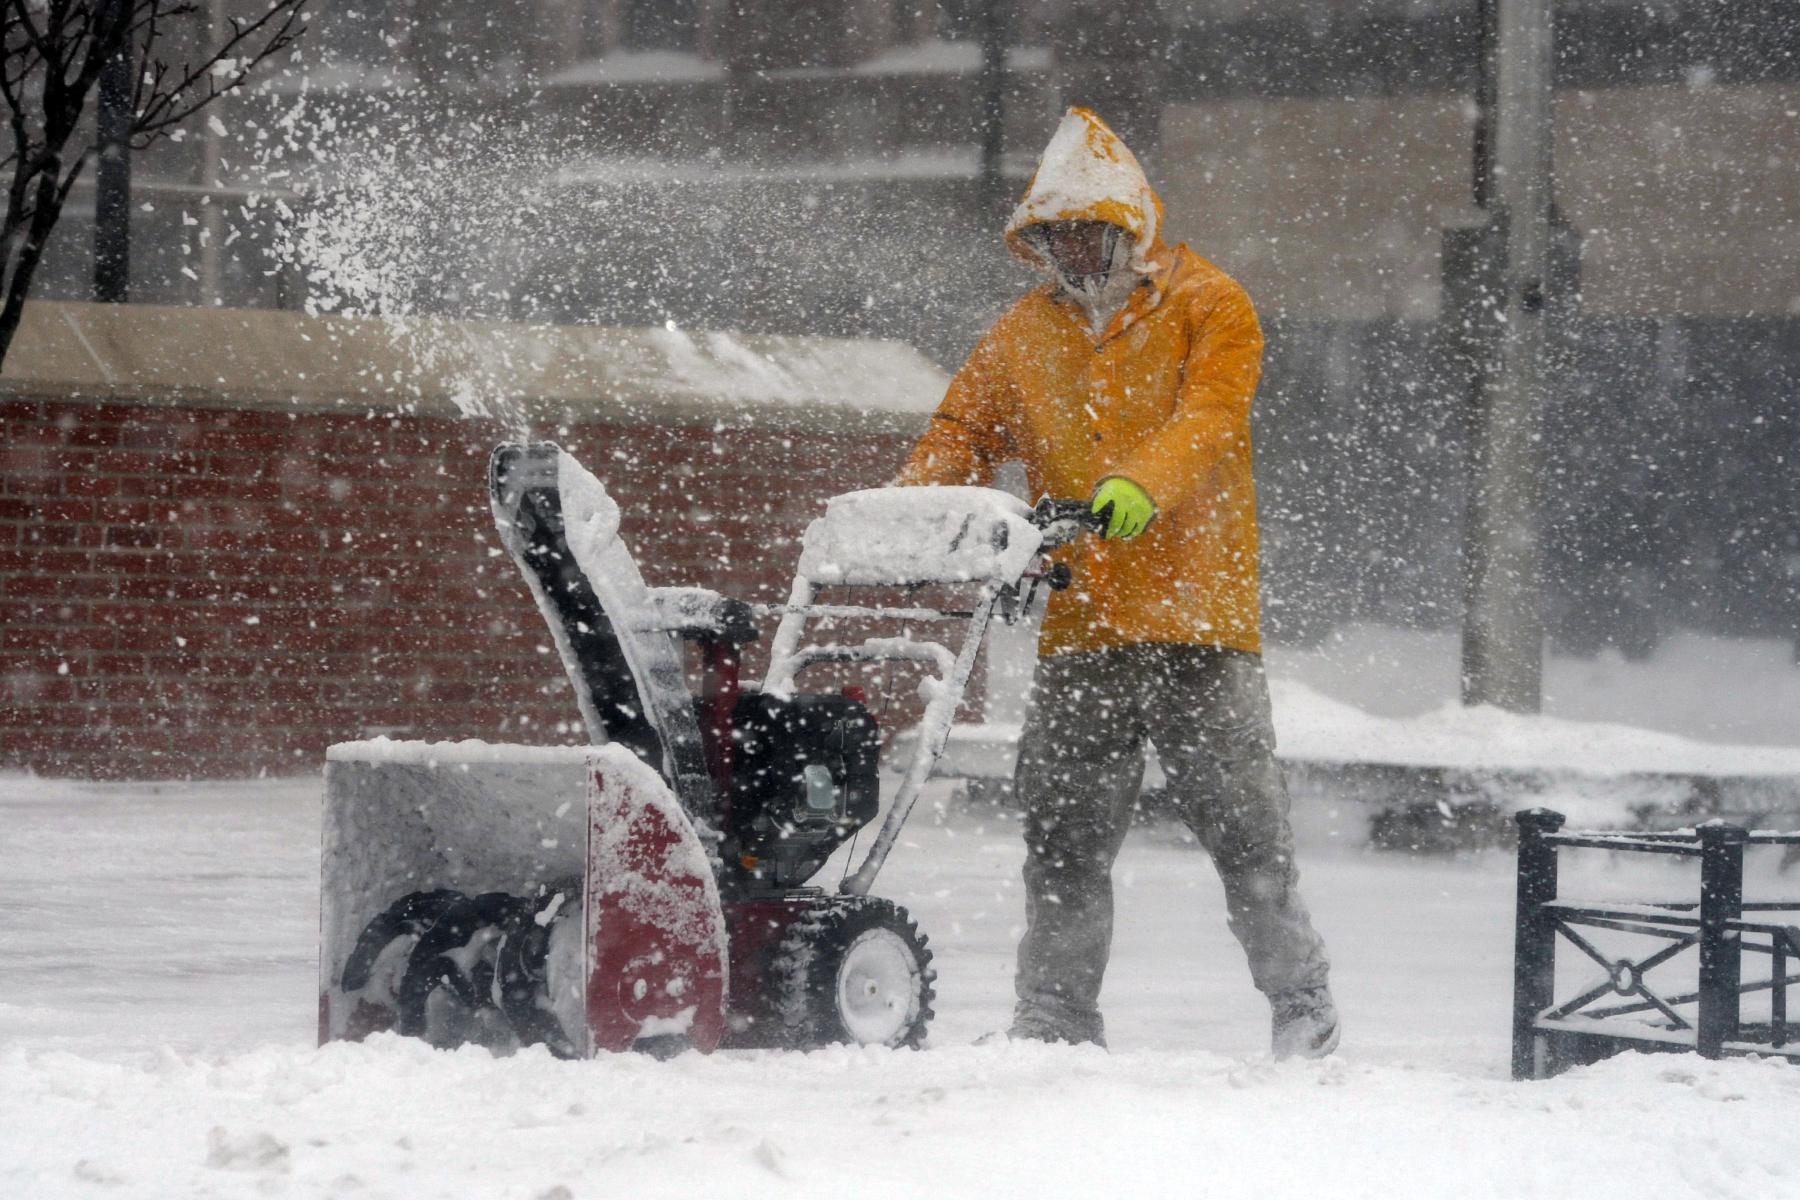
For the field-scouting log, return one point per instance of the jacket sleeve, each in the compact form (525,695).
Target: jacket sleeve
(1211,420)
(968,437)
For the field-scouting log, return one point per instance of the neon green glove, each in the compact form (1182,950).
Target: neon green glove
(1132,508)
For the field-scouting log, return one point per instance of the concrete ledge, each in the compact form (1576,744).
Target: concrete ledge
(257,358)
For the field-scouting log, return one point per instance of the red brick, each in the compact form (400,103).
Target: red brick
(65,510)
(120,462)
(48,664)
(100,414)
(129,512)
(32,434)
(57,610)
(32,485)
(114,690)
(126,561)
(147,487)
(46,587)
(57,562)
(213,487)
(91,435)
(143,537)
(21,408)
(92,485)
(126,663)
(58,640)
(160,587)
(60,535)
(238,437)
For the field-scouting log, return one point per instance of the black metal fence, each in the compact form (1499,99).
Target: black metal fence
(1625,1009)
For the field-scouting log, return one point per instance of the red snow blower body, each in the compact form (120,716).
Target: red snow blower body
(651,890)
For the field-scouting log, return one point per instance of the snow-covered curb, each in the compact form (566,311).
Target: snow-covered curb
(1310,726)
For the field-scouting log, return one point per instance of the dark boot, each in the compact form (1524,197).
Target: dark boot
(1304,1023)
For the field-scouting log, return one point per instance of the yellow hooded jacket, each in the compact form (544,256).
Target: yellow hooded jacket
(1161,397)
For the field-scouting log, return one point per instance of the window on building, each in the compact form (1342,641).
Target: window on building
(661,25)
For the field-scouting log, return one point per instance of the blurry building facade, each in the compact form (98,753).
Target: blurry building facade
(798,166)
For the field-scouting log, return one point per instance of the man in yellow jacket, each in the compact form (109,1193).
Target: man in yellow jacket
(1128,378)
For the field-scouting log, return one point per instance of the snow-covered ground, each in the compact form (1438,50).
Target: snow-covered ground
(157,1027)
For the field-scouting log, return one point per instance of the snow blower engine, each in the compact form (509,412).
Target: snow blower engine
(651,890)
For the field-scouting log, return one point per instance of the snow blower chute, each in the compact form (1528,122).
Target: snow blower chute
(651,891)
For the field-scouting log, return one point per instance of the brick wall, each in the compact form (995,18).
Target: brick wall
(191,591)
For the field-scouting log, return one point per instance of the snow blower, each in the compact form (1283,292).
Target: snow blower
(652,890)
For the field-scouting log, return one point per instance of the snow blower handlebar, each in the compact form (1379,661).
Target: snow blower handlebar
(1059,522)
(1062,521)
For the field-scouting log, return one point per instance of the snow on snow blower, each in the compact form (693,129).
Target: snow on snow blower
(651,891)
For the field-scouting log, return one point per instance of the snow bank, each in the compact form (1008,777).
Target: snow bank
(1311,726)
(1699,685)
(920,535)
(395,1118)
(1597,773)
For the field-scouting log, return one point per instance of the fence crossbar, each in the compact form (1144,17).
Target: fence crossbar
(1661,931)
(1638,970)
(1618,912)
(1744,989)
(1640,845)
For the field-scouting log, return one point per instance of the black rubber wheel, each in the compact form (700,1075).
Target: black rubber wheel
(853,969)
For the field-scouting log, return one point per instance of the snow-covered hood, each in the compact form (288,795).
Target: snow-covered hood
(1088,174)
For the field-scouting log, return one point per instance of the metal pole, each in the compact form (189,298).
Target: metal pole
(993,99)
(1778,994)
(1503,626)
(112,177)
(212,216)
(1721,965)
(1487,17)
(1534,939)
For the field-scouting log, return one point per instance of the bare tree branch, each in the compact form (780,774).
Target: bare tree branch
(23,18)
(166,108)
(54,53)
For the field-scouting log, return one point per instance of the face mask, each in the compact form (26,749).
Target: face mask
(1102,293)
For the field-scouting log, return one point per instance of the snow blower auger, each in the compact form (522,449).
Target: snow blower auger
(651,891)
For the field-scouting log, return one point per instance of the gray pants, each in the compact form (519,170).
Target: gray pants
(1206,710)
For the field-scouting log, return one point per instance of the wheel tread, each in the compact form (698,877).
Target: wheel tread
(799,995)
